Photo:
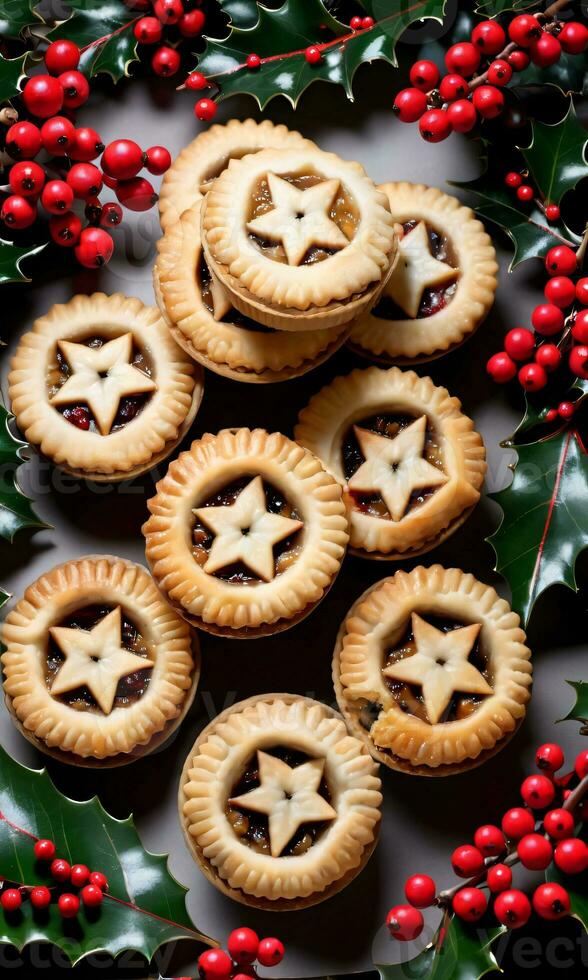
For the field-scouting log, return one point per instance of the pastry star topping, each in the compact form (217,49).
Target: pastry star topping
(246,532)
(416,270)
(395,467)
(95,659)
(440,665)
(100,377)
(288,796)
(299,218)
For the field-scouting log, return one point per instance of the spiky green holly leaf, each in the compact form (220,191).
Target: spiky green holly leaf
(556,157)
(532,426)
(11,72)
(281,36)
(145,906)
(492,8)
(15,15)
(570,74)
(11,256)
(104,32)
(579,710)
(464,954)
(545,520)
(16,509)
(4,597)
(241,13)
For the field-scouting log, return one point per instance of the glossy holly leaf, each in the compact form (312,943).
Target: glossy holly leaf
(464,954)
(281,36)
(556,157)
(15,15)
(4,597)
(16,509)
(11,257)
(570,74)
(104,32)
(11,72)
(545,520)
(145,906)
(492,8)
(579,710)
(532,425)
(241,13)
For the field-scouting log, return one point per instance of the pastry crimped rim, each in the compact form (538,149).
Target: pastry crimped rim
(343,849)
(211,151)
(146,439)
(409,744)
(212,462)
(227,348)
(322,426)
(90,738)
(358,268)
(407,340)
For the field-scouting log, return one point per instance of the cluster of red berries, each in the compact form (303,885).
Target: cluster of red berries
(525,193)
(244,949)
(162,14)
(91,886)
(522,837)
(457,100)
(67,173)
(564,316)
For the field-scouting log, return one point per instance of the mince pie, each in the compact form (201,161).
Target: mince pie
(98,668)
(431,671)
(411,464)
(204,322)
(101,388)
(279,805)
(247,532)
(442,285)
(198,165)
(299,238)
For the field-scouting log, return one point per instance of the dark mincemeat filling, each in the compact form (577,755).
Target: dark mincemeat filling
(233,316)
(433,300)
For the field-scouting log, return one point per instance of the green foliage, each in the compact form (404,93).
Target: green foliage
(105,33)
(11,72)
(493,8)
(556,157)
(16,15)
(16,510)
(241,13)
(464,954)
(11,256)
(579,710)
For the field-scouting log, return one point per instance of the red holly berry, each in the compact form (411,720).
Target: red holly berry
(93,210)
(214,964)
(453,87)
(68,905)
(573,37)
(549,357)
(75,89)
(313,54)
(462,116)
(560,261)
(23,140)
(512,908)
(410,104)
(94,248)
(559,823)
(499,878)
(271,952)
(532,377)
(537,792)
(581,764)
(424,75)
(65,229)
(367,22)
(462,58)
(148,30)
(168,11)
(582,290)
(524,29)
(571,856)
(525,193)
(535,852)
(489,37)
(547,319)
(517,822)
(96,877)
(420,891)
(560,291)
(44,849)
(252,61)
(501,368)
(43,96)
(243,945)
(111,215)
(205,109)
(552,212)
(92,896)
(62,55)
(513,179)
(87,145)
(578,361)
(519,343)
(192,23)
(18,212)
(355,23)
(122,159)
(469,904)
(518,60)
(551,901)
(11,900)
(500,72)
(565,410)
(404,922)
(166,62)
(60,870)
(136,194)
(490,840)
(57,196)
(26,178)
(40,897)
(196,81)
(467,861)
(550,415)
(157,160)
(58,135)
(85,180)
(435,125)
(79,875)
(545,51)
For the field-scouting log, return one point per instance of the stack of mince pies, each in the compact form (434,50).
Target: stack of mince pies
(272,250)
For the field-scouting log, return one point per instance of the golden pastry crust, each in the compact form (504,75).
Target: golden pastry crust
(213,767)
(413,339)
(96,580)
(380,618)
(225,347)
(236,609)
(358,265)
(195,168)
(324,423)
(176,387)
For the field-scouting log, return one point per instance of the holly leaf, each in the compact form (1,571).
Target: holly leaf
(545,521)
(464,954)
(579,710)
(15,15)
(145,906)
(281,36)
(241,13)
(4,597)
(11,256)
(556,157)
(569,74)
(536,410)
(104,32)
(493,8)
(16,509)
(11,72)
